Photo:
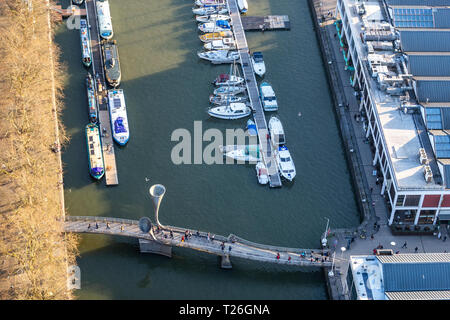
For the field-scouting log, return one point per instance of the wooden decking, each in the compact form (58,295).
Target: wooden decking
(259,23)
(253,93)
(201,242)
(102,96)
(58,13)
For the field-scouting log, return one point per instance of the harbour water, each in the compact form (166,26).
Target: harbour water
(167,87)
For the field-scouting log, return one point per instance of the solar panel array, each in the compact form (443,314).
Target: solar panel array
(442,146)
(116,103)
(413,18)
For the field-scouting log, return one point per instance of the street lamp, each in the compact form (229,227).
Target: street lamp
(393,243)
(324,239)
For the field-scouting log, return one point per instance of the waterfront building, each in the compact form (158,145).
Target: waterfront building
(417,276)
(397,53)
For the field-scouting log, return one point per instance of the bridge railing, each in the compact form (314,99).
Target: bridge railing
(102,219)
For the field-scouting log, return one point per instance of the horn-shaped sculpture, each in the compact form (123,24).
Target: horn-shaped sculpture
(157,192)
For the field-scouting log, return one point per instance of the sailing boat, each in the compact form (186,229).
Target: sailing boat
(230,79)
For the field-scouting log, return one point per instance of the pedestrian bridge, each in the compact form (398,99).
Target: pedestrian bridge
(226,247)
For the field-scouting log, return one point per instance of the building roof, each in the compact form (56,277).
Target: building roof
(429,65)
(433,90)
(415,258)
(419,295)
(425,40)
(441,18)
(421,3)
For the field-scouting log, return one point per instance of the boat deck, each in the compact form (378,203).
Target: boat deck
(109,156)
(253,93)
(265,23)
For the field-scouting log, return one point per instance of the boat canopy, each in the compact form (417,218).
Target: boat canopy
(223,24)
(258,56)
(118,125)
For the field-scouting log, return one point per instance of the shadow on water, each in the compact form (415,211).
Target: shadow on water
(167,87)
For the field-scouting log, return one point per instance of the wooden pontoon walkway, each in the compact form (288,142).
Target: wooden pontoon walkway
(102,96)
(259,23)
(253,93)
(239,247)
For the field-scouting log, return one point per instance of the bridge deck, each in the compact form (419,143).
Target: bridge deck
(239,247)
(253,94)
(103,114)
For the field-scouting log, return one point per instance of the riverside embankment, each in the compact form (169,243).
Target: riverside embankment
(34,253)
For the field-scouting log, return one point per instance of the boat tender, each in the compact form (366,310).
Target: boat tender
(232,111)
(214,26)
(285,163)
(219,56)
(111,62)
(229,90)
(226,99)
(207,10)
(224,44)
(244,153)
(251,128)
(276,131)
(92,101)
(208,37)
(268,98)
(258,63)
(243,5)
(212,17)
(262,173)
(118,113)
(226,79)
(94,148)
(104,19)
(86,55)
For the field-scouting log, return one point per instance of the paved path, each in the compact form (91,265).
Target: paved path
(201,242)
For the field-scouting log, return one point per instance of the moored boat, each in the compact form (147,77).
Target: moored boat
(212,17)
(232,111)
(268,98)
(111,62)
(276,131)
(104,19)
(243,5)
(285,163)
(258,63)
(251,128)
(219,56)
(118,113)
(211,36)
(214,26)
(243,153)
(226,99)
(206,10)
(92,101)
(210,2)
(224,44)
(229,90)
(86,55)
(226,79)
(94,148)
(262,173)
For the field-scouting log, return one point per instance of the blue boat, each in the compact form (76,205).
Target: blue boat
(86,56)
(251,128)
(95,154)
(119,119)
(92,102)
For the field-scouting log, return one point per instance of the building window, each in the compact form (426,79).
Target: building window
(400,199)
(412,200)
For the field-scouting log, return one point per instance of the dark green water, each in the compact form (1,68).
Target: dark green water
(167,87)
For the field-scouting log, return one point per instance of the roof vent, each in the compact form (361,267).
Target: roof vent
(423,156)
(428,173)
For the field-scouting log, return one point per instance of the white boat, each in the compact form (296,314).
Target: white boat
(232,111)
(85,43)
(268,98)
(251,128)
(210,2)
(214,26)
(243,5)
(212,17)
(244,153)
(219,56)
(118,113)
(226,99)
(224,44)
(229,90)
(276,131)
(285,163)
(226,79)
(207,10)
(258,63)
(104,19)
(261,173)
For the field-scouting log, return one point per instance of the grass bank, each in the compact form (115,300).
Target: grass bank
(34,252)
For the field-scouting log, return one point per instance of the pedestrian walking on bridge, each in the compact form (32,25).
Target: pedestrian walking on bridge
(404,246)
